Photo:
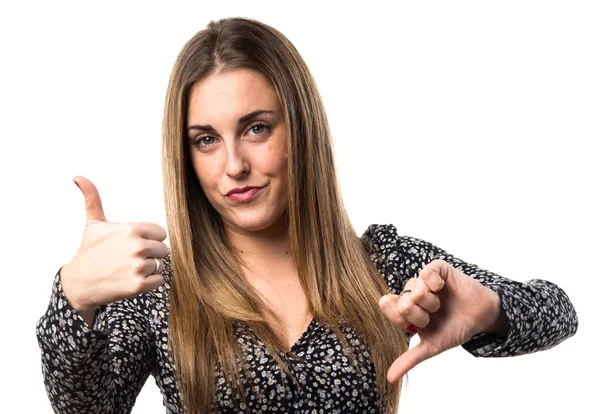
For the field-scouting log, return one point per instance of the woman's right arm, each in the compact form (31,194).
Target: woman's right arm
(96,338)
(99,368)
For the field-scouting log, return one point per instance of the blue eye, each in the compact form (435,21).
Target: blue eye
(262,128)
(202,141)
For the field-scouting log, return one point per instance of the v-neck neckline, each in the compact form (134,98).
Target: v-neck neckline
(303,337)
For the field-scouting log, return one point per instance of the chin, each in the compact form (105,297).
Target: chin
(255,222)
(251,225)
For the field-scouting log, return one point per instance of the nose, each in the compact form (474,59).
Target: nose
(237,164)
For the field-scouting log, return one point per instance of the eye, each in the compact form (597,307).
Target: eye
(260,128)
(204,141)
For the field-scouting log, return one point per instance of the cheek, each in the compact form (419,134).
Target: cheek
(205,172)
(274,160)
(275,166)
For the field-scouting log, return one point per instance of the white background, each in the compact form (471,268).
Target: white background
(473,125)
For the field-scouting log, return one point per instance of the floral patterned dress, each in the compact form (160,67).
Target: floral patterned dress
(102,368)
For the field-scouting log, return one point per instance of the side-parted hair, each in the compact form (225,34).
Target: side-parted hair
(209,293)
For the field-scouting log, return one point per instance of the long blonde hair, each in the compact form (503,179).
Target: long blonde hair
(209,292)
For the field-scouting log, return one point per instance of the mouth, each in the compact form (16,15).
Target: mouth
(242,189)
(244,194)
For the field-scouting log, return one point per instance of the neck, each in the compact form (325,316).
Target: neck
(270,243)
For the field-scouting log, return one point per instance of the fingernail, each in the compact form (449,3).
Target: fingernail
(76,184)
(412,329)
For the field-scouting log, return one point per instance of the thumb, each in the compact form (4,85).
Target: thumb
(93,205)
(408,361)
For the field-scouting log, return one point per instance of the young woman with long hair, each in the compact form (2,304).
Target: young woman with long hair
(266,299)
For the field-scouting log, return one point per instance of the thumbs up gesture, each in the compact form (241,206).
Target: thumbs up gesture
(445,307)
(114,261)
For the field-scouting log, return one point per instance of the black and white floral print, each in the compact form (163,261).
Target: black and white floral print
(102,368)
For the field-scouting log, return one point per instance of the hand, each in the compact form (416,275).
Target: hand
(114,261)
(446,308)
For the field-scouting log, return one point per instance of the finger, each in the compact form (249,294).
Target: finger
(93,205)
(150,267)
(434,275)
(388,304)
(404,312)
(411,284)
(408,361)
(152,282)
(151,248)
(422,296)
(149,231)
(412,313)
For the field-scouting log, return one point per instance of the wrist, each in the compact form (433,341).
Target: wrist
(498,322)
(81,307)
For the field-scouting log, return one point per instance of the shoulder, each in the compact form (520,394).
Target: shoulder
(382,242)
(378,237)
(397,257)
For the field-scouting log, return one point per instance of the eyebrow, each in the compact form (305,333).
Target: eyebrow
(241,121)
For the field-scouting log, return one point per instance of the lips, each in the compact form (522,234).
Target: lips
(241,190)
(244,196)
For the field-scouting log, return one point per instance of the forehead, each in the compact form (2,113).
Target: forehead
(229,94)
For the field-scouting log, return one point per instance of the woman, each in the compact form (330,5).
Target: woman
(267,300)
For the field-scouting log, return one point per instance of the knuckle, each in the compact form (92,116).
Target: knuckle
(433,280)
(438,283)
(138,266)
(130,229)
(426,276)
(90,202)
(137,286)
(427,267)
(158,231)
(398,320)
(418,294)
(393,316)
(163,251)
(140,248)
(130,288)
(153,283)
(403,307)
(163,233)
(410,284)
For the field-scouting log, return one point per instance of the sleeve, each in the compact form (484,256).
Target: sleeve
(540,313)
(99,368)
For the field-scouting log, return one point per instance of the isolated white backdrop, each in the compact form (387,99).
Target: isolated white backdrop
(473,125)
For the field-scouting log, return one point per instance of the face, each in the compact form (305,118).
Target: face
(237,138)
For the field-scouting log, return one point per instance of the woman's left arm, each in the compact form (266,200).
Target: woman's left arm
(539,313)
(489,315)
